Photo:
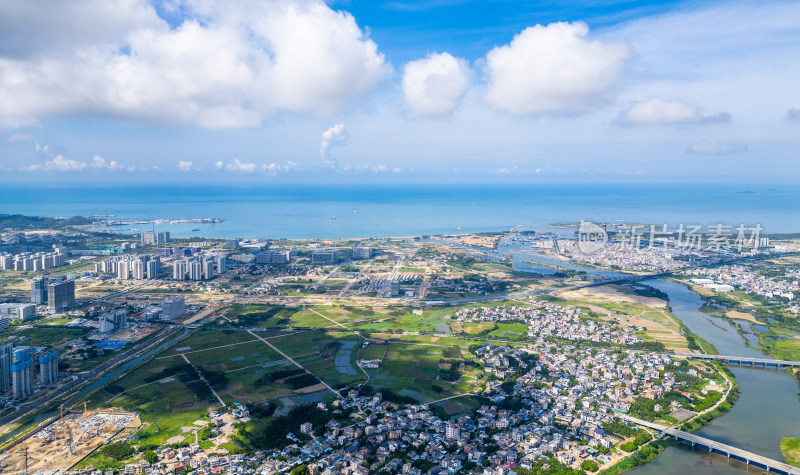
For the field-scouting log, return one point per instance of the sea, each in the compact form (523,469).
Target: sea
(314,211)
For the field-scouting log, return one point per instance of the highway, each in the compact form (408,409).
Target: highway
(765,362)
(713,446)
(44,398)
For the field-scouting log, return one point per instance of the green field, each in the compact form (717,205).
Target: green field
(510,330)
(41,335)
(412,370)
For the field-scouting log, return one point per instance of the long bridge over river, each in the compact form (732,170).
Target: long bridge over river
(712,446)
(743,360)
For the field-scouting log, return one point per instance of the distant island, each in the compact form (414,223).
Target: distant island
(14,221)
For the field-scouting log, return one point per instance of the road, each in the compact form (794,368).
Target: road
(80,380)
(719,448)
(288,358)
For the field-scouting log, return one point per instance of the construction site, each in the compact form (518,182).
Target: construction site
(68,439)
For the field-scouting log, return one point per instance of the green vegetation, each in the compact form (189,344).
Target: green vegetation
(548,467)
(590,465)
(118,450)
(642,456)
(8,221)
(790,448)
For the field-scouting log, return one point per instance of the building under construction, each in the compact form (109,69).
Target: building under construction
(65,441)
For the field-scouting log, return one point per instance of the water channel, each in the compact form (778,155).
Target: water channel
(767,410)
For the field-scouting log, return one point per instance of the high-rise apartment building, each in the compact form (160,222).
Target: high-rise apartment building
(22,373)
(48,367)
(6,359)
(61,295)
(39,290)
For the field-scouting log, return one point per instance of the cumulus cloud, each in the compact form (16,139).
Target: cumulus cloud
(42,148)
(275,168)
(716,148)
(793,115)
(241,167)
(100,162)
(659,111)
(223,65)
(184,165)
(336,135)
(63,164)
(434,85)
(553,69)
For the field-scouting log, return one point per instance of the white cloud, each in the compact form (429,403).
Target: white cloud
(225,65)
(20,138)
(336,135)
(31,168)
(42,148)
(434,85)
(275,168)
(184,166)
(553,69)
(659,111)
(220,165)
(63,164)
(716,148)
(241,167)
(793,115)
(100,162)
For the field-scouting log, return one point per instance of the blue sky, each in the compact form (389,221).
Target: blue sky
(399,91)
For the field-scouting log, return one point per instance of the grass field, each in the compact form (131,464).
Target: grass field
(510,330)
(411,369)
(240,366)
(41,335)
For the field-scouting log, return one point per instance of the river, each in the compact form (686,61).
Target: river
(766,411)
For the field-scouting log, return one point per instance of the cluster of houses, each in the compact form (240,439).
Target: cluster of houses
(625,256)
(546,320)
(563,398)
(566,396)
(747,278)
(476,287)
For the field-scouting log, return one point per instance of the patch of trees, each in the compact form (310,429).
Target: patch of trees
(261,410)
(118,451)
(644,455)
(302,381)
(619,428)
(647,291)
(387,394)
(271,432)
(590,465)
(548,467)
(216,379)
(273,376)
(328,349)
(451,352)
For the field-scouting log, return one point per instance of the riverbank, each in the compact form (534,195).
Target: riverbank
(790,448)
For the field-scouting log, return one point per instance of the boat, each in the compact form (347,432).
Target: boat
(196,229)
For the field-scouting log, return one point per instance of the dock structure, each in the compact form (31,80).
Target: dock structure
(743,360)
(712,446)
